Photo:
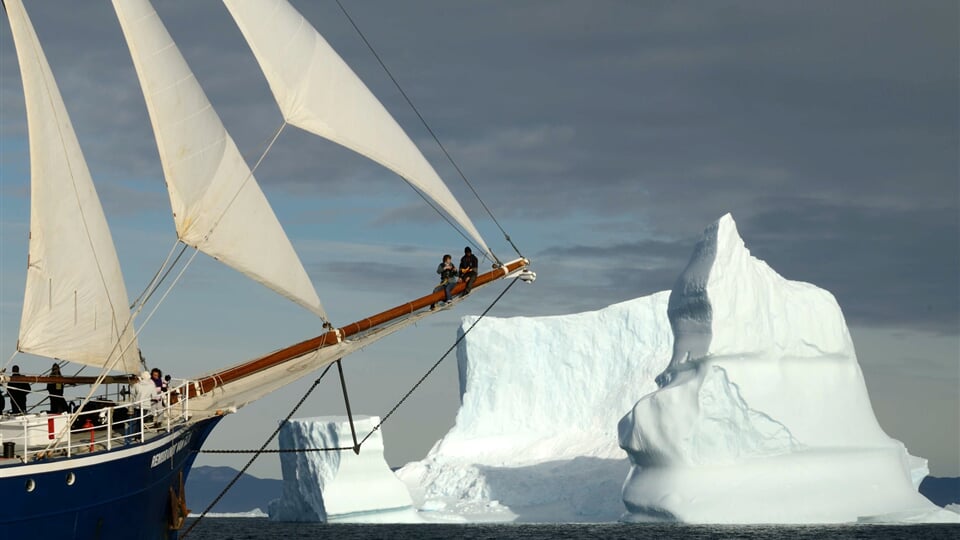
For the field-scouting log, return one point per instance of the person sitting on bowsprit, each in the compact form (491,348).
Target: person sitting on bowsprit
(468,269)
(448,279)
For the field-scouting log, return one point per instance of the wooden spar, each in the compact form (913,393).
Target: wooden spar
(38,379)
(334,337)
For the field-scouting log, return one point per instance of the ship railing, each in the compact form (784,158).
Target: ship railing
(102,426)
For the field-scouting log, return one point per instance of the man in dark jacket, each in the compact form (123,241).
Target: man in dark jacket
(58,405)
(18,393)
(468,269)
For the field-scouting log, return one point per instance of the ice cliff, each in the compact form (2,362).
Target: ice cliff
(535,436)
(340,485)
(762,414)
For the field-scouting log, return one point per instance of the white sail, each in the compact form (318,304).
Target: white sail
(218,206)
(75,305)
(318,92)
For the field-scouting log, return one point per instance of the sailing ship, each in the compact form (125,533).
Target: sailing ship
(110,468)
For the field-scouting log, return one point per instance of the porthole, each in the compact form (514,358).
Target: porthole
(71,478)
(31,485)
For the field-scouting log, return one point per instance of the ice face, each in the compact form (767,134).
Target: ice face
(762,414)
(535,435)
(340,485)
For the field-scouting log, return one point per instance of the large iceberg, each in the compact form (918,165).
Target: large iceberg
(535,437)
(752,409)
(338,486)
(762,415)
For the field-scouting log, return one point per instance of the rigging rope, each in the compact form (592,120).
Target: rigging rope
(382,420)
(429,129)
(257,453)
(243,184)
(148,293)
(153,281)
(109,366)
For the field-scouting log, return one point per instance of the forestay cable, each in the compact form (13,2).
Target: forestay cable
(429,129)
(382,420)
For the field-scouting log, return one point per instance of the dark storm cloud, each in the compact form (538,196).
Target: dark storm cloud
(901,276)
(886,267)
(639,122)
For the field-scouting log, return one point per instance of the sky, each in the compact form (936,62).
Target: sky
(604,136)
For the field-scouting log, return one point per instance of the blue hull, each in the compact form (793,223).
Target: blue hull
(122,494)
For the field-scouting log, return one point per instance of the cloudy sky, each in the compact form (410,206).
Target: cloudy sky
(604,136)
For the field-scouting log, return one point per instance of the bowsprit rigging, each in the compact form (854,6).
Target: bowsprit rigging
(356,444)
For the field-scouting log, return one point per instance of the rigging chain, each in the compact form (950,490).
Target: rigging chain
(258,452)
(264,450)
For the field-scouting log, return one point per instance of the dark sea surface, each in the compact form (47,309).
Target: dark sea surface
(255,528)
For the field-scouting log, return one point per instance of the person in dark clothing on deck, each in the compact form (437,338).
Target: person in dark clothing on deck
(18,393)
(448,279)
(58,405)
(468,269)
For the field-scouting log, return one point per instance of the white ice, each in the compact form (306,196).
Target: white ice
(338,486)
(763,414)
(752,409)
(535,436)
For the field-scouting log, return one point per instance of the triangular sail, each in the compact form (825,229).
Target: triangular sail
(318,92)
(75,305)
(218,206)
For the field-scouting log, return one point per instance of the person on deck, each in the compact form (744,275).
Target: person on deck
(18,393)
(156,377)
(157,398)
(468,269)
(141,394)
(58,405)
(448,279)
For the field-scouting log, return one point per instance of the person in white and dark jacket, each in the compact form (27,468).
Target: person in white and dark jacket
(141,394)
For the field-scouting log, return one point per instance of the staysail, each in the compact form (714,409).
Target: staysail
(75,304)
(318,92)
(218,206)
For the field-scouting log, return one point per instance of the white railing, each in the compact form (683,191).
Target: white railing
(98,428)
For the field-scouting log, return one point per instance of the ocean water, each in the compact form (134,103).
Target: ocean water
(262,528)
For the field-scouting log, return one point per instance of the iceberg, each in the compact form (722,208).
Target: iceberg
(752,409)
(762,414)
(535,437)
(338,486)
